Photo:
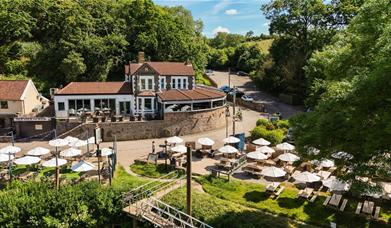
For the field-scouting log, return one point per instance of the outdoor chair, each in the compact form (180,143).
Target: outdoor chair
(279,191)
(313,198)
(342,208)
(358,209)
(326,201)
(377,212)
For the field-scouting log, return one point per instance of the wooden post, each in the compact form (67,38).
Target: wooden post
(98,155)
(229,77)
(57,171)
(188,180)
(234,114)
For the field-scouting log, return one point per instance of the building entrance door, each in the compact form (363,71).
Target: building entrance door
(124,108)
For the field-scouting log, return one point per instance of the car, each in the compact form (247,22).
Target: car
(225,89)
(247,98)
(209,72)
(241,73)
(237,92)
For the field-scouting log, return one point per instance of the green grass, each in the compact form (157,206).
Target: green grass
(124,181)
(253,195)
(223,213)
(151,170)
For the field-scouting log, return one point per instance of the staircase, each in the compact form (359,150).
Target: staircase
(144,203)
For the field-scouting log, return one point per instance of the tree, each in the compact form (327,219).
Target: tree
(72,66)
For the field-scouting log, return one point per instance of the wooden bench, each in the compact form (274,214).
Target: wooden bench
(358,209)
(344,202)
(377,212)
(326,201)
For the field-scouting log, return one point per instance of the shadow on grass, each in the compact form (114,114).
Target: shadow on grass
(256,196)
(289,203)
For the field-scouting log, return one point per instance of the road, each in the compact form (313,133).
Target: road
(246,85)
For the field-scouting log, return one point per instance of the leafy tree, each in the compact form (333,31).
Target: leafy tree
(73,66)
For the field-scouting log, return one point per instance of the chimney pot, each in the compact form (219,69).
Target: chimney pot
(141,57)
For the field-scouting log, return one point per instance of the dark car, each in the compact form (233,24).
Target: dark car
(225,89)
(241,73)
(237,92)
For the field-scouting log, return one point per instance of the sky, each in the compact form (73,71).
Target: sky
(232,16)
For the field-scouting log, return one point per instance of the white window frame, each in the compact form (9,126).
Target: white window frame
(147,85)
(178,82)
(164,79)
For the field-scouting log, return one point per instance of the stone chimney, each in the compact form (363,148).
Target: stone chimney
(188,62)
(141,57)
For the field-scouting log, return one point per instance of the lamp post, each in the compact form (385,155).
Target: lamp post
(233,111)
(227,114)
(9,156)
(188,179)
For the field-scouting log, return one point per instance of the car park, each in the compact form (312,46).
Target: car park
(247,98)
(225,89)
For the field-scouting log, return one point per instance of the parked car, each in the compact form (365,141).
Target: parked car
(241,73)
(209,72)
(247,98)
(237,92)
(225,89)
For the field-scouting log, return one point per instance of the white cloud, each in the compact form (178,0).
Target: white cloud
(220,29)
(266,24)
(220,6)
(231,12)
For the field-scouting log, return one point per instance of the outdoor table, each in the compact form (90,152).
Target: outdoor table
(335,199)
(368,207)
(307,192)
(324,174)
(273,186)
(253,167)
(289,169)
(269,162)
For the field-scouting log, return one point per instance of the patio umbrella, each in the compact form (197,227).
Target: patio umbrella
(70,152)
(58,142)
(52,162)
(342,155)
(206,141)
(179,149)
(257,155)
(261,142)
(335,185)
(313,151)
(288,157)
(27,160)
(91,140)
(265,150)
(78,143)
(10,150)
(273,172)
(106,152)
(231,139)
(285,146)
(306,177)
(327,163)
(82,166)
(71,139)
(38,151)
(228,149)
(174,140)
(5,157)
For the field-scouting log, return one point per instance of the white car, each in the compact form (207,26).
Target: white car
(247,98)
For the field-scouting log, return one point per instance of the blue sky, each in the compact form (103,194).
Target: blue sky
(233,16)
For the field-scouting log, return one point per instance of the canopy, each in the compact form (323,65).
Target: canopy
(273,172)
(285,146)
(327,163)
(6,157)
(106,152)
(78,143)
(38,151)
(52,162)
(231,139)
(82,166)
(91,140)
(342,155)
(206,141)
(288,157)
(228,149)
(257,155)
(174,139)
(179,149)
(261,142)
(306,177)
(335,185)
(27,160)
(10,150)
(70,152)
(71,139)
(58,142)
(265,150)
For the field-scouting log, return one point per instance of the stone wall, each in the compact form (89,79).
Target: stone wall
(173,124)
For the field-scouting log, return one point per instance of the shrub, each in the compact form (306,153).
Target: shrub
(282,124)
(262,122)
(273,136)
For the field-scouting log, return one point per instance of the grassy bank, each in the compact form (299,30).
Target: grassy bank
(151,170)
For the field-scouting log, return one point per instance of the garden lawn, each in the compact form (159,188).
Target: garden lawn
(151,170)
(223,213)
(287,204)
(124,181)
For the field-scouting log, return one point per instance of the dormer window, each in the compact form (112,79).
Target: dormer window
(179,82)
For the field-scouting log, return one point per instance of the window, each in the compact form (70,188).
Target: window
(38,127)
(184,83)
(79,104)
(105,103)
(150,83)
(179,83)
(146,83)
(163,83)
(3,104)
(147,103)
(61,106)
(143,84)
(173,84)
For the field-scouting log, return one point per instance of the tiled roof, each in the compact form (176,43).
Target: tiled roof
(146,94)
(13,89)
(163,68)
(90,88)
(199,93)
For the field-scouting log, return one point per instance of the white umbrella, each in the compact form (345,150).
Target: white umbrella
(306,177)
(265,150)
(285,146)
(335,185)
(78,143)
(91,140)
(38,151)
(261,142)
(342,155)
(82,166)
(71,139)
(27,160)
(288,157)
(106,152)
(10,150)
(327,163)
(179,149)
(257,155)
(174,139)
(231,139)
(5,157)
(52,162)
(273,172)
(228,149)
(58,142)
(206,141)
(313,151)
(70,152)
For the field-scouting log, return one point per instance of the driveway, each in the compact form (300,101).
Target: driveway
(245,84)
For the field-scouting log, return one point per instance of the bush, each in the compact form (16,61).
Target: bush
(273,136)
(262,122)
(282,124)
